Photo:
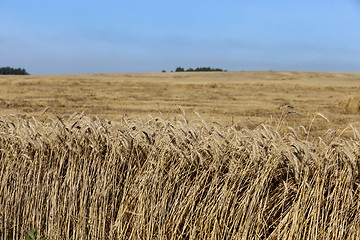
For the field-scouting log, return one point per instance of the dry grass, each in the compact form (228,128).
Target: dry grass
(86,178)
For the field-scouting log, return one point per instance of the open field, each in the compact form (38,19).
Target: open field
(259,163)
(249,97)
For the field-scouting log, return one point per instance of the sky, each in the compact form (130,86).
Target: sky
(109,36)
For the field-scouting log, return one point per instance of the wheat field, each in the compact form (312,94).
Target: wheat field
(226,97)
(249,155)
(87,178)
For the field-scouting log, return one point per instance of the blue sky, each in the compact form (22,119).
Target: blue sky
(108,36)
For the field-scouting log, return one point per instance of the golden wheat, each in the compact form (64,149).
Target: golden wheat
(86,178)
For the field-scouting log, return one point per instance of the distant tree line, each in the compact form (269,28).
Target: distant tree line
(199,69)
(12,71)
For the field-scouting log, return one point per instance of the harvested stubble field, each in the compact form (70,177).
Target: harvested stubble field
(227,176)
(226,97)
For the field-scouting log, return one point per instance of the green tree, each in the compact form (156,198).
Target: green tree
(179,69)
(13,71)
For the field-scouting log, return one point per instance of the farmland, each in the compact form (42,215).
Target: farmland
(267,155)
(248,97)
